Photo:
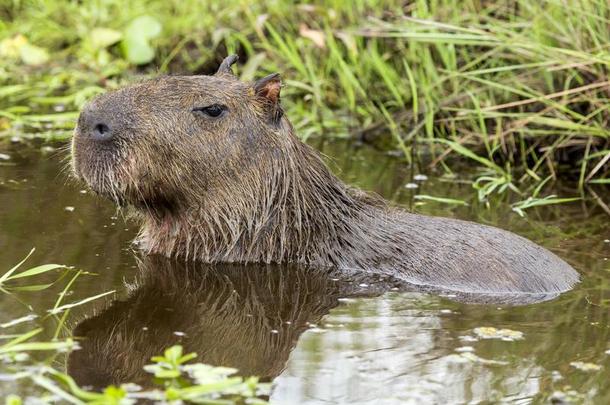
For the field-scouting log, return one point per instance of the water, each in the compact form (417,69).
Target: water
(321,340)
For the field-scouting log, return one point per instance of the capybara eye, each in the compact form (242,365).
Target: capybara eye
(214,110)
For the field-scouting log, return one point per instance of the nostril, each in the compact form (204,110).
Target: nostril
(101,132)
(102,128)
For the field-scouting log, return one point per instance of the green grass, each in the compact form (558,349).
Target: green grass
(518,87)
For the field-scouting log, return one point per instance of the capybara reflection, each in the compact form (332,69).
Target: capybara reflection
(247,317)
(214,172)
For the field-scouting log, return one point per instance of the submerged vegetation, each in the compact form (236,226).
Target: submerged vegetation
(518,87)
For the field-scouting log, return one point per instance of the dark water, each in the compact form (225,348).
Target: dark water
(321,340)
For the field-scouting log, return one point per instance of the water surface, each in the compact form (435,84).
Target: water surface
(321,340)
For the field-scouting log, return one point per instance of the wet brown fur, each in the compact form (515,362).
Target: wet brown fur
(243,188)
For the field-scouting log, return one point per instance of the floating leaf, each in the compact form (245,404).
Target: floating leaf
(488,332)
(469,357)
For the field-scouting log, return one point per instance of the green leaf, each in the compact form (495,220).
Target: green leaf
(173,353)
(600,181)
(462,150)
(167,373)
(17,321)
(136,40)
(38,346)
(33,55)
(63,116)
(441,200)
(13,400)
(50,386)
(187,357)
(37,270)
(6,275)
(104,37)
(137,51)
(36,287)
(21,338)
(145,27)
(114,393)
(530,202)
(77,303)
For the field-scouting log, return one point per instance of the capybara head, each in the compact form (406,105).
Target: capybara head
(211,166)
(153,143)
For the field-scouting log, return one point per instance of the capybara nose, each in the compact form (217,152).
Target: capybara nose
(96,123)
(101,132)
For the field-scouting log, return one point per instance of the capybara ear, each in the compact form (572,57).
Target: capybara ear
(269,87)
(267,90)
(225,66)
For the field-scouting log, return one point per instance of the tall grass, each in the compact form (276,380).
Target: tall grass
(518,87)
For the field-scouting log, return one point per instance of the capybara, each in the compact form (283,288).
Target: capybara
(214,172)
